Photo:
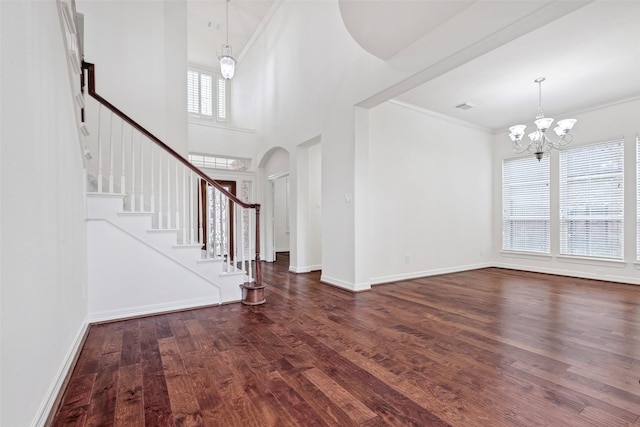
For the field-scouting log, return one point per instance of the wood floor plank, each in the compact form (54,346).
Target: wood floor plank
(487,347)
(129,406)
(103,397)
(184,404)
(75,405)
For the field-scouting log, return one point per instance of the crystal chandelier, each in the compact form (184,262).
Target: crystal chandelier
(227,63)
(539,141)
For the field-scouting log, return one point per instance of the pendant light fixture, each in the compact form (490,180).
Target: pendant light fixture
(227,62)
(539,141)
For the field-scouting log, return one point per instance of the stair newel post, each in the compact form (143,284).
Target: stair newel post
(253,293)
(99,149)
(258,268)
(111,144)
(122,179)
(132,196)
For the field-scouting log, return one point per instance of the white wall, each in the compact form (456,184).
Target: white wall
(430,201)
(218,139)
(314,207)
(598,125)
(304,77)
(140,52)
(120,263)
(42,250)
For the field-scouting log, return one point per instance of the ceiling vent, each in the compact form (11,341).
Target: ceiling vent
(465,106)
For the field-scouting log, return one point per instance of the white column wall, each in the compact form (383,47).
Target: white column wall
(597,125)
(42,251)
(430,206)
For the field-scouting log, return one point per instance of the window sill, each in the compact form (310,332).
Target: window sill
(532,255)
(199,121)
(593,261)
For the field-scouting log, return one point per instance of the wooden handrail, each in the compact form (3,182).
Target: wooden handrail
(92,91)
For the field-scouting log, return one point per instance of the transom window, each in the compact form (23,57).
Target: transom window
(219,162)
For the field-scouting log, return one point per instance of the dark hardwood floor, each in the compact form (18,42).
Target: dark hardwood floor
(482,348)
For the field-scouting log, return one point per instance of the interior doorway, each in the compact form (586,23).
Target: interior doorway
(280,215)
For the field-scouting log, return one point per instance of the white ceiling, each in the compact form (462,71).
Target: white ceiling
(206,27)
(590,57)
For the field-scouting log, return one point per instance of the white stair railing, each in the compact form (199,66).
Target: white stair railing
(130,161)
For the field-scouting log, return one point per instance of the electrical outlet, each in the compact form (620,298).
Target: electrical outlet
(406,259)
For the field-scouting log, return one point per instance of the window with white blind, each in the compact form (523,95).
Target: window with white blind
(525,205)
(201,93)
(592,200)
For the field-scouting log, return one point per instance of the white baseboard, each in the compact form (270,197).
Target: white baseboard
(353,287)
(108,316)
(305,269)
(569,273)
(54,391)
(417,274)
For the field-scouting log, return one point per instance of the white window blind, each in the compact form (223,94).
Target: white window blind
(193,92)
(204,98)
(206,95)
(525,205)
(592,200)
(222,99)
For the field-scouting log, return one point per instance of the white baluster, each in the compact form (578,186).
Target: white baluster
(168,192)
(235,234)
(221,226)
(185,218)
(99,149)
(141,173)
(242,254)
(250,251)
(201,218)
(153,197)
(111,153)
(160,191)
(123,189)
(192,228)
(133,174)
(177,197)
